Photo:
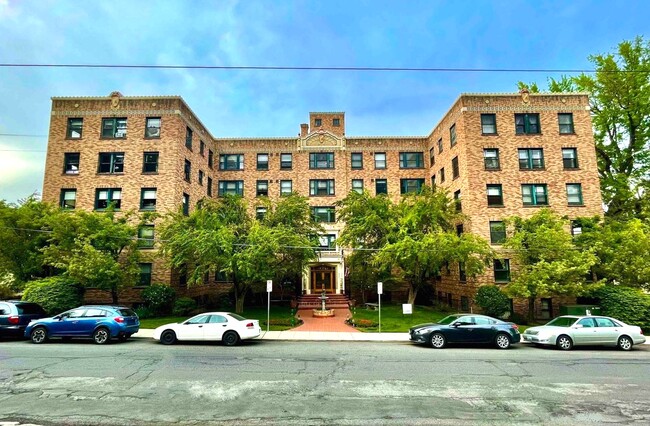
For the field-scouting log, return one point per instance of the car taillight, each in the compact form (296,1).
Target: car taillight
(250,325)
(119,319)
(515,326)
(14,319)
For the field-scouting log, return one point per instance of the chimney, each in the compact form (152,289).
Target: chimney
(304,129)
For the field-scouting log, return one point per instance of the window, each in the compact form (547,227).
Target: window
(442,175)
(357,160)
(531,158)
(210,158)
(381,186)
(321,187)
(152,127)
(565,121)
(527,124)
(188,170)
(380,160)
(231,162)
(489,124)
(605,322)
(201,177)
(145,274)
(68,199)
(411,160)
(408,186)
(460,229)
(336,122)
(108,196)
(321,160)
(497,232)
(494,195)
(357,185)
(574,194)
(262,161)
(260,212)
(534,195)
(501,270)
(286,187)
(262,188)
(232,187)
(576,228)
(148,199)
(150,162)
(221,276)
(188,138)
(146,236)
(491,159)
(111,162)
(286,161)
(459,206)
(186,204)
(113,128)
(433,180)
(432,158)
(71,163)
(318,122)
(455,171)
(323,214)
(75,128)
(327,242)
(202,148)
(452,135)
(209,187)
(439,145)
(570,158)
(546,308)
(462,277)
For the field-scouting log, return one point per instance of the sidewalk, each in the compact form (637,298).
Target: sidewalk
(340,336)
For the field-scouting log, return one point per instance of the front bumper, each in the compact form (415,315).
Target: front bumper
(529,338)
(417,338)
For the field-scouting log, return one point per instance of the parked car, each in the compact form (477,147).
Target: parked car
(224,326)
(466,328)
(567,331)
(15,315)
(101,323)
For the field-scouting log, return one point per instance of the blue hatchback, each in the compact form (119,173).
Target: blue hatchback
(101,323)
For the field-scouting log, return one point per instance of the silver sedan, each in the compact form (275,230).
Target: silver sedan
(567,331)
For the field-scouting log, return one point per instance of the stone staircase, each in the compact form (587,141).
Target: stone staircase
(313,301)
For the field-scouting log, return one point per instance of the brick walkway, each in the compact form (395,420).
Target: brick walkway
(332,324)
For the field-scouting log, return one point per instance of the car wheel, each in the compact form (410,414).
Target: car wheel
(502,341)
(39,335)
(437,340)
(168,337)
(564,342)
(230,338)
(101,336)
(625,343)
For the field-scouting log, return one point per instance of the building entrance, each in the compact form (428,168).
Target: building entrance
(323,278)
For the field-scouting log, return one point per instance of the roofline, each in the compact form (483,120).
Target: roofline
(103,98)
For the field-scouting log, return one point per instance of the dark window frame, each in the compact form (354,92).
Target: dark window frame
(496,160)
(148,155)
(378,162)
(534,196)
(485,125)
(497,232)
(282,190)
(189,135)
(529,162)
(238,190)
(579,193)
(144,279)
(146,241)
(114,128)
(75,124)
(356,160)
(262,165)
(71,162)
(494,200)
(379,182)
(411,160)
(147,203)
(323,214)
(570,163)
(524,126)
(152,132)
(501,270)
(315,189)
(286,164)
(321,160)
(358,189)
(117,202)
(455,168)
(64,202)
(187,170)
(112,164)
(452,135)
(262,192)
(565,128)
(226,163)
(405,185)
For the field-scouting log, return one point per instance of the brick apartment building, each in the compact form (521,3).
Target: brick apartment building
(498,154)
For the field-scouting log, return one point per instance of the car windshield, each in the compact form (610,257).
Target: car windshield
(29,309)
(237,317)
(563,321)
(448,320)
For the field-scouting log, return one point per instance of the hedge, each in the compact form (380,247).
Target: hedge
(54,294)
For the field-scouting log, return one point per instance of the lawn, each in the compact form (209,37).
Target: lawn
(392,319)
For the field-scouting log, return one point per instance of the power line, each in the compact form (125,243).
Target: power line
(20,135)
(315,68)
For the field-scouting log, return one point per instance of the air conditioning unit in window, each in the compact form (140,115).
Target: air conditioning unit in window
(153,132)
(120,133)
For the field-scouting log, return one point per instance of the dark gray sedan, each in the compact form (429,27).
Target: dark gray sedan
(466,328)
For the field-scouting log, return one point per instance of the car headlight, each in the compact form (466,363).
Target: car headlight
(420,331)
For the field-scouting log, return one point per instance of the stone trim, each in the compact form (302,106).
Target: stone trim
(526,108)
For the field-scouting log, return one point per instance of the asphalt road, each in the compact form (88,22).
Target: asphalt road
(312,383)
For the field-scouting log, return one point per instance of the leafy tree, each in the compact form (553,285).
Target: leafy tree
(630,305)
(492,300)
(95,249)
(549,262)
(54,294)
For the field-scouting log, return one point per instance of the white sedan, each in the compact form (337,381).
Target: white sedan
(567,331)
(225,326)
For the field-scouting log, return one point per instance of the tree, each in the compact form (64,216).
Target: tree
(492,301)
(549,262)
(95,249)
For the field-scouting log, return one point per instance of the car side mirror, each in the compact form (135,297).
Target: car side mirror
(456,324)
(58,317)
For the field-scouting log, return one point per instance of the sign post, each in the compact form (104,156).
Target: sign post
(380,290)
(269,288)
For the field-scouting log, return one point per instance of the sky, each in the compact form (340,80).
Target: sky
(473,34)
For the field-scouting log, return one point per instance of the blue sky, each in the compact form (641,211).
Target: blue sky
(432,34)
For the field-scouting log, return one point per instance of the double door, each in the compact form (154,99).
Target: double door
(322,278)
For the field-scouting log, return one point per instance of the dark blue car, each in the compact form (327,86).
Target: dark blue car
(101,323)
(466,328)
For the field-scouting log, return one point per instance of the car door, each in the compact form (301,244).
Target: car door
(607,331)
(483,330)
(90,319)
(585,333)
(216,326)
(192,329)
(67,324)
(460,331)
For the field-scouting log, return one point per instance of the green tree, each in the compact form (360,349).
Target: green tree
(492,301)
(549,263)
(95,249)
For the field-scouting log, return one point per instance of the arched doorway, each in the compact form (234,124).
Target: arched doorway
(323,277)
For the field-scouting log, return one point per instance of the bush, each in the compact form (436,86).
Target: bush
(627,304)
(184,306)
(492,301)
(54,294)
(159,297)
(365,323)
(518,319)
(145,312)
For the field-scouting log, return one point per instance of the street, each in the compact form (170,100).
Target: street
(311,383)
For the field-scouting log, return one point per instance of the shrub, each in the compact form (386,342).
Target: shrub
(492,301)
(518,319)
(145,312)
(365,323)
(627,304)
(184,306)
(159,297)
(54,294)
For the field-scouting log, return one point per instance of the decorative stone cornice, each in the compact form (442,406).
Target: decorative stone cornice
(322,139)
